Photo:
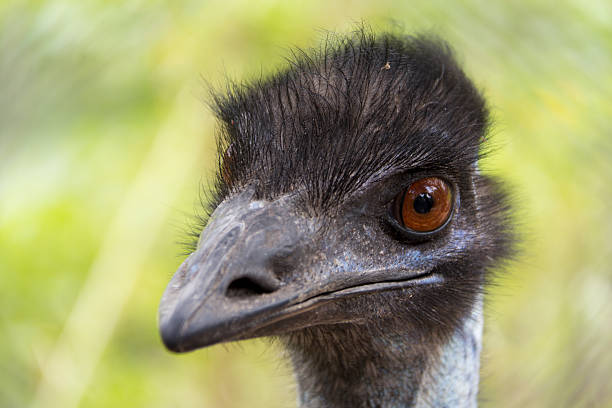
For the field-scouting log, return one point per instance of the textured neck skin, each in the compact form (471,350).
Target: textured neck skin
(348,367)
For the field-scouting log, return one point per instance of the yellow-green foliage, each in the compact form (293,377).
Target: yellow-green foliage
(104,141)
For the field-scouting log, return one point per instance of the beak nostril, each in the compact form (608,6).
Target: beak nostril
(247,286)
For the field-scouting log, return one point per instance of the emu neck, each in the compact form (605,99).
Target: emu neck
(352,366)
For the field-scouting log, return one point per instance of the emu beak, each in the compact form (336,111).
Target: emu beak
(259,271)
(228,288)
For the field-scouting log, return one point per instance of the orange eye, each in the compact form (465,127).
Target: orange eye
(424,206)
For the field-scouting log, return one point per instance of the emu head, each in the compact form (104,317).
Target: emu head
(325,167)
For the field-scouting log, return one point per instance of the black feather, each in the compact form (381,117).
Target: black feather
(355,109)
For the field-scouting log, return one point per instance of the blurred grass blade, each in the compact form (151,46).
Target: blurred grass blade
(112,277)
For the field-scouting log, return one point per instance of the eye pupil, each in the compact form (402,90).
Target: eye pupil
(423,203)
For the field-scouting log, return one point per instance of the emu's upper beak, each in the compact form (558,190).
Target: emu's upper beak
(258,271)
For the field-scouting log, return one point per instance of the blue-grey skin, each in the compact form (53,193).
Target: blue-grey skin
(453,381)
(402,380)
(449,381)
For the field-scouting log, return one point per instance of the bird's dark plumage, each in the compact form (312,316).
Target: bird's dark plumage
(355,110)
(302,243)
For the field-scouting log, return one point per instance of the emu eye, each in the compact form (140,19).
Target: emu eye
(425,205)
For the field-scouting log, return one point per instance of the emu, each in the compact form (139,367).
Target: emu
(350,221)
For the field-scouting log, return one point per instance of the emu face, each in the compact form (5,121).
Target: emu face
(306,233)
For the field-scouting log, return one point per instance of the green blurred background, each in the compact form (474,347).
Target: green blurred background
(105,141)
